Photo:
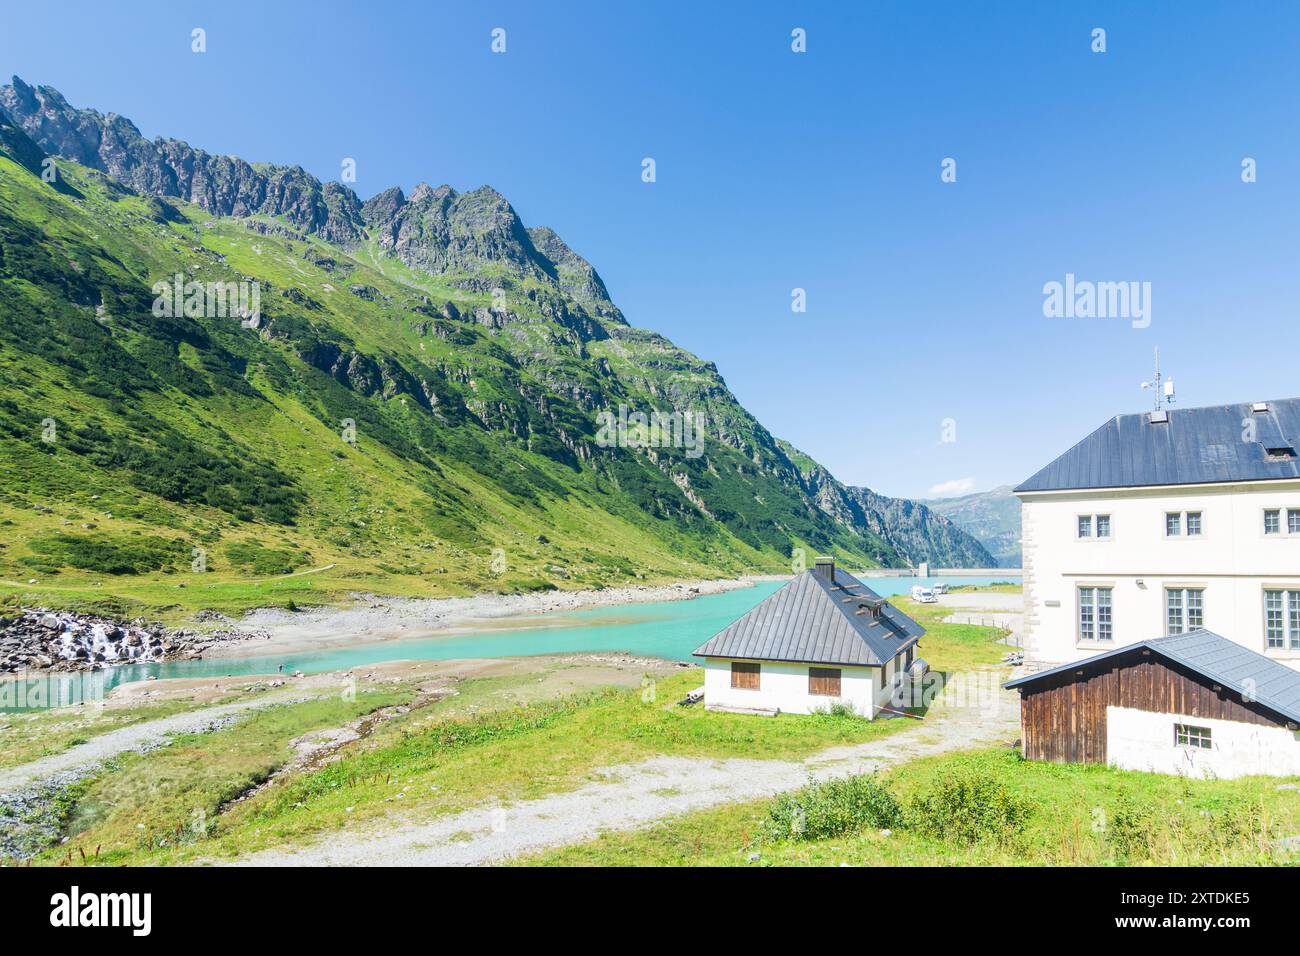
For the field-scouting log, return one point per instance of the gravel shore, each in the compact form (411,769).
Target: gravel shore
(374,618)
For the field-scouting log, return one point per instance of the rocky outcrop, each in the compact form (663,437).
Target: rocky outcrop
(40,639)
(575,274)
(223,185)
(19,147)
(440,230)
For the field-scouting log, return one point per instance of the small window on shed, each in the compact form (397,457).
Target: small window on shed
(824,681)
(1186,735)
(744,675)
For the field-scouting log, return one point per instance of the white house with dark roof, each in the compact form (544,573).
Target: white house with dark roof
(823,639)
(1163,523)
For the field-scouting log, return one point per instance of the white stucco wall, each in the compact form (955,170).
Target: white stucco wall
(1233,561)
(1144,740)
(784,687)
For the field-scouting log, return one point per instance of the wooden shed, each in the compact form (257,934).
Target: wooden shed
(1193,703)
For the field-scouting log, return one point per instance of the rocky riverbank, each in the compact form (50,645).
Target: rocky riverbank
(41,639)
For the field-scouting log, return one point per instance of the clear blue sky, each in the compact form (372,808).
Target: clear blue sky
(819,171)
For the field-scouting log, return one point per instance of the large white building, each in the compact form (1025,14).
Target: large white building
(1162,523)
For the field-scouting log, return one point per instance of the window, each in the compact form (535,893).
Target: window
(1272,523)
(1292,521)
(824,681)
(1173,524)
(1282,620)
(744,676)
(911,656)
(1184,609)
(1193,523)
(882,676)
(1088,522)
(1095,622)
(1185,735)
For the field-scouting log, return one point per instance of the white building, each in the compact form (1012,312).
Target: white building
(821,640)
(1161,523)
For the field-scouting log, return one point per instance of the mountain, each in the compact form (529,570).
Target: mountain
(992,517)
(402,395)
(916,532)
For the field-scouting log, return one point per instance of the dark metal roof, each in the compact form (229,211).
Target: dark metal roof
(812,621)
(1195,446)
(1215,658)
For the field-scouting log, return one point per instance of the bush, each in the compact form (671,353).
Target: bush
(822,810)
(1130,828)
(106,553)
(970,807)
(255,557)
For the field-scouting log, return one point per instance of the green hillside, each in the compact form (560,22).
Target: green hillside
(414,409)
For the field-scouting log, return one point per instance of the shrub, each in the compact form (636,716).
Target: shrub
(106,553)
(822,810)
(970,807)
(1131,827)
(255,557)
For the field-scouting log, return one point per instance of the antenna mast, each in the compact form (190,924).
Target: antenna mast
(1167,392)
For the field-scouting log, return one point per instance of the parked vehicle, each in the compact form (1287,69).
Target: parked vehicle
(939,588)
(923,595)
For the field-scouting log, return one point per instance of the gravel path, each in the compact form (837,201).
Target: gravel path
(972,712)
(28,791)
(85,758)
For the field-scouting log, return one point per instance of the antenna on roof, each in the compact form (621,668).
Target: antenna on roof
(1162,394)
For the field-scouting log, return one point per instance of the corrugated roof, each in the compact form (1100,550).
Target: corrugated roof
(1195,446)
(1217,659)
(810,621)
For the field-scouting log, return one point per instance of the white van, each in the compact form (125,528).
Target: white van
(923,595)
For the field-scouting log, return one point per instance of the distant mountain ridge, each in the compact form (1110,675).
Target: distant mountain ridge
(991,517)
(471,353)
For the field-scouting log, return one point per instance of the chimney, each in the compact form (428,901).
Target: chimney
(825,569)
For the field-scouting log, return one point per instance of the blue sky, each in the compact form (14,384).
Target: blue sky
(820,171)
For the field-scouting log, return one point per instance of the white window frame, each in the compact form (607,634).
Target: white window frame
(1184,608)
(1088,597)
(1277,514)
(1193,737)
(1088,527)
(1287,614)
(1182,523)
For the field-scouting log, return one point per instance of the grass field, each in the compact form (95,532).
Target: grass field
(496,738)
(455,753)
(1077,815)
(953,647)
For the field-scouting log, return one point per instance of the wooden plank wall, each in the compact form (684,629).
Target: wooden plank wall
(1063,718)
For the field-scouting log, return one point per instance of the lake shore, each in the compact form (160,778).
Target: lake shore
(373,619)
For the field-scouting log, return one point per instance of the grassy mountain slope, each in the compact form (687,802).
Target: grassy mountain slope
(469,355)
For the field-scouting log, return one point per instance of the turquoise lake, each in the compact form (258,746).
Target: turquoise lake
(668,630)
